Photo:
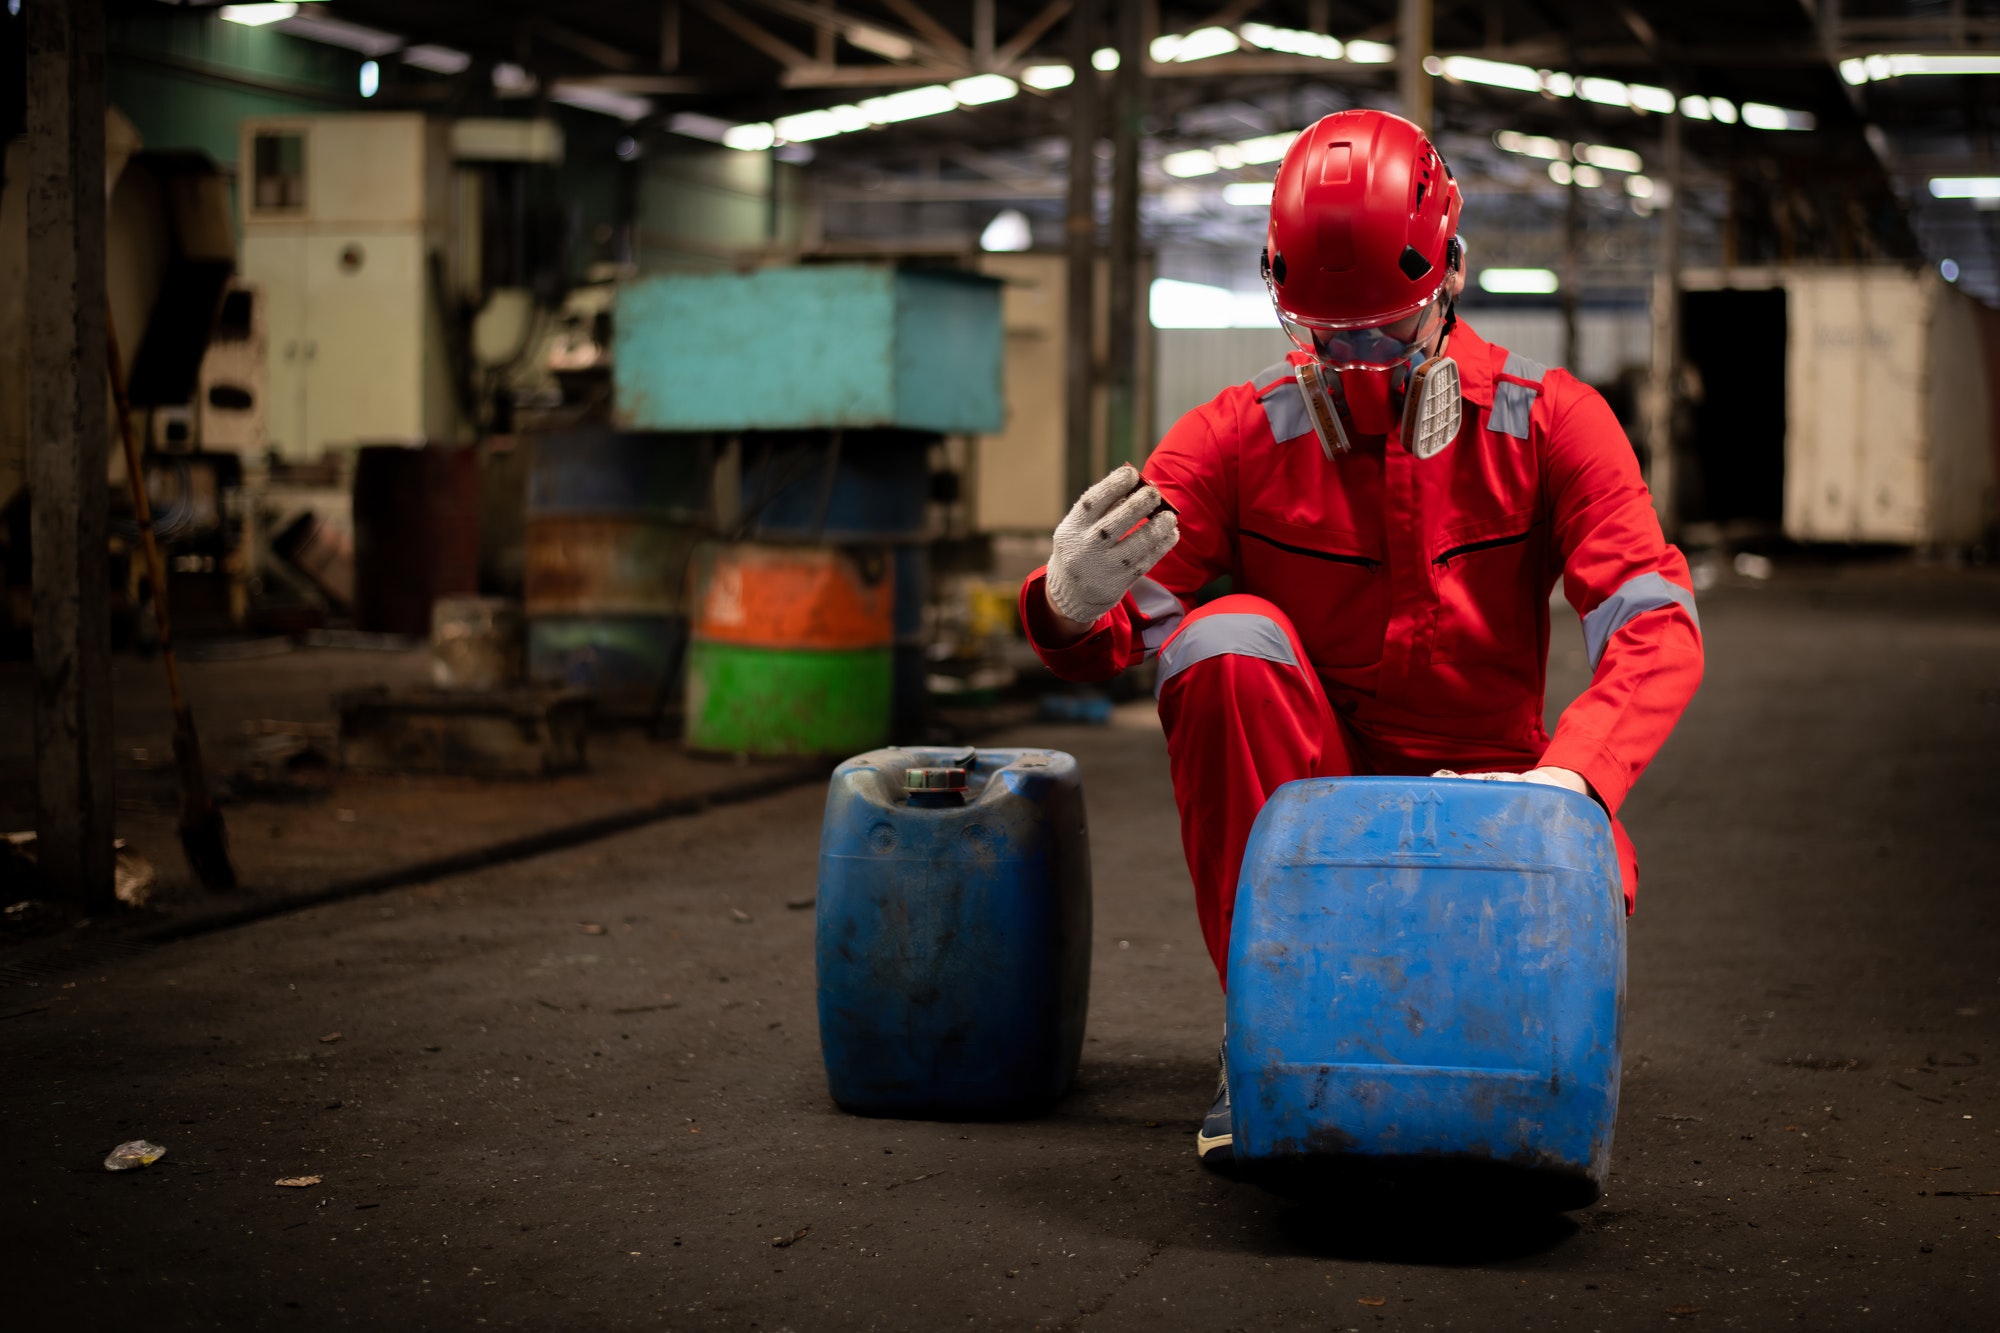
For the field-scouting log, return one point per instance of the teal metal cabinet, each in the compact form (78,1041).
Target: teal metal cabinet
(820,347)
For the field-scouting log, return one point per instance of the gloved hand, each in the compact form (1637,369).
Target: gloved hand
(1545,777)
(1112,536)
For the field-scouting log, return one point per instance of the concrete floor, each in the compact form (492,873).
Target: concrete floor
(583,1091)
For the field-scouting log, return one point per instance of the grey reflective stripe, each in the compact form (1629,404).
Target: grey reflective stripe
(1240,635)
(1163,612)
(1270,375)
(1513,402)
(1635,597)
(1285,409)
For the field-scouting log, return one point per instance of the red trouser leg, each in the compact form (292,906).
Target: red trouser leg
(1244,714)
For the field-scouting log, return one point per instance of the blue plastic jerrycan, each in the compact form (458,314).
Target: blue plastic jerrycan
(953,932)
(1427,978)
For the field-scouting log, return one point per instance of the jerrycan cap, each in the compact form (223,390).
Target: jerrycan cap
(934,779)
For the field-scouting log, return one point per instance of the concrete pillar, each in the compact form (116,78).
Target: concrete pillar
(1128,110)
(1413,46)
(69,428)
(1080,231)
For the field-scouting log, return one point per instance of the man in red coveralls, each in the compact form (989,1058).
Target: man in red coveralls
(1393,503)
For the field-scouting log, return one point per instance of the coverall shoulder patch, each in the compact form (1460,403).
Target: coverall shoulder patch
(1285,408)
(1511,401)
(1270,375)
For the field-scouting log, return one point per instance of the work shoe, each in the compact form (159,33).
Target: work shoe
(1213,1142)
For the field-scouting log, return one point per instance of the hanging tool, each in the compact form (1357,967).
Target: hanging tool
(204,840)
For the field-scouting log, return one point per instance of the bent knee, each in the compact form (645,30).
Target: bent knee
(1238,625)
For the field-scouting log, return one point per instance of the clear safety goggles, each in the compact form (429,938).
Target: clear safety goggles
(1377,348)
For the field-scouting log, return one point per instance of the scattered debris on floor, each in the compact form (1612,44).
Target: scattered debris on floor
(132,876)
(590,928)
(801,904)
(297,1182)
(330,1038)
(739,916)
(786,1242)
(133,1153)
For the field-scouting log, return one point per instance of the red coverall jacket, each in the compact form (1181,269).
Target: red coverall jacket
(1420,588)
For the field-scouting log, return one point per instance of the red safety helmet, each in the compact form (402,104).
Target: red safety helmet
(1364,219)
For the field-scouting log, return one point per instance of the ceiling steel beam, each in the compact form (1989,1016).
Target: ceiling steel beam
(756,35)
(1030,32)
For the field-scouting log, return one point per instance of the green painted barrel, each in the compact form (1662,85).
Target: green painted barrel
(791,650)
(743,699)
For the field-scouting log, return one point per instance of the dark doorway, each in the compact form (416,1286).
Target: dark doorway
(1735,340)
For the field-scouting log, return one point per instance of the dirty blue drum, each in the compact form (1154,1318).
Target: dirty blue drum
(1426,984)
(953,931)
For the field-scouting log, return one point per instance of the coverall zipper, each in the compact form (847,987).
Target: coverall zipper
(1366,562)
(1486,545)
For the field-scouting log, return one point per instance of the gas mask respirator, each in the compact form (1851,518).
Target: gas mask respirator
(1381,378)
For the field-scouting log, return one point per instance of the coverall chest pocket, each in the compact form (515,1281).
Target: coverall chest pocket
(1488,600)
(1330,583)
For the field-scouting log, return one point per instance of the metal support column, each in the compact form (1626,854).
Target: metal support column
(1128,110)
(1665,387)
(1572,272)
(1080,231)
(1413,47)
(69,432)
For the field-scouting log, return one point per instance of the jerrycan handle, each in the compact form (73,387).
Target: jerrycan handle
(935,787)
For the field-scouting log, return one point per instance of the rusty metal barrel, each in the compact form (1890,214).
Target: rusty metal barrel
(613,520)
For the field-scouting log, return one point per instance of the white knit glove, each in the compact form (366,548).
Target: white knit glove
(1111,538)
(1541,777)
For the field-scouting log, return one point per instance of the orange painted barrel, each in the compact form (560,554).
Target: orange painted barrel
(814,597)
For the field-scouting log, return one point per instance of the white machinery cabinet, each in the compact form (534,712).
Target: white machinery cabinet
(341,217)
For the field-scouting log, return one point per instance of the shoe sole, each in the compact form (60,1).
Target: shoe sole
(1204,1145)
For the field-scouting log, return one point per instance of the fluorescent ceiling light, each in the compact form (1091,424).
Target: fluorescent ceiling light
(256,16)
(1265,148)
(1291,41)
(810,125)
(1587,176)
(1492,73)
(1611,159)
(1008,232)
(436,59)
(1558,84)
(1371,53)
(1104,59)
(1948,269)
(1048,78)
(1533,145)
(510,80)
(694,125)
(1866,69)
(983,88)
(1724,109)
(1517,281)
(371,78)
(1645,97)
(339,32)
(1193,162)
(911,103)
(1559,172)
(1200,44)
(1695,108)
(749,138)
(877,42)
(604,101)
(1248,194)
(1604,92)
(1758,116)
(1965,187)
(1639,187)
